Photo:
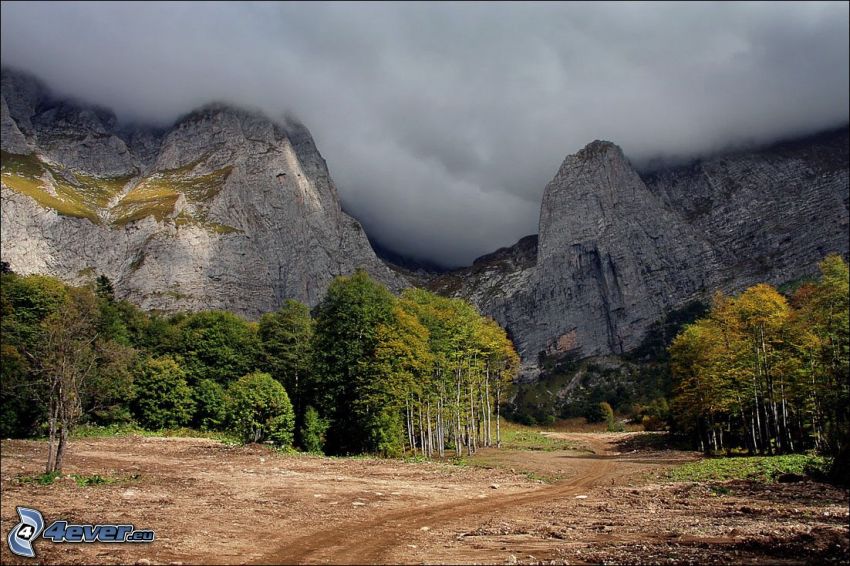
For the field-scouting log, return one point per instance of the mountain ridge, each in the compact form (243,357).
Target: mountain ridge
(228,209)
(223,209)
(633,260)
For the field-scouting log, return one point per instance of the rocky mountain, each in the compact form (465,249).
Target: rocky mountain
(619,249)
(225,209)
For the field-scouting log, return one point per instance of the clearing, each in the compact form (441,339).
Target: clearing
(586,498)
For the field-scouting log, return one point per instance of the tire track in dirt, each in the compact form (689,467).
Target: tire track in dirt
(370,541)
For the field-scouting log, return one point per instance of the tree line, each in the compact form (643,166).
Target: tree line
(365,371)
(766,373)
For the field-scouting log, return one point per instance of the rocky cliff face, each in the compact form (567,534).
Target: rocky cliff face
(617,249)
(226,209)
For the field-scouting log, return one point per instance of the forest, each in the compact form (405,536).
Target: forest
(766,373)
(364,372)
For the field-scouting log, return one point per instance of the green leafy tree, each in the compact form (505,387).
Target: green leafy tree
(767,374)
(104,288)
(111,323)
(286,344)
(25,302)
(258,409)
(217,345)
(313,431)
(19,406)
(163,399)
(210,405)
(346,337)
(66,362)
(106,397)
(161,335)
(401,366)
(598,412)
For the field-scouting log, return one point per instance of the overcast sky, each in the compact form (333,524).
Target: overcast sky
(442,123)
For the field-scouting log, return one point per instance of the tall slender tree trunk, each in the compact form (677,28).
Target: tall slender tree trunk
(64,419)
(430,439)
(471,425)
(52,440)
(407,422)
(459,435)
(789,440)
(753,431)
(487,397)
(421,428)
(498,415)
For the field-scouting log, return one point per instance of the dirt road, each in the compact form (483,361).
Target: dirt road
(215,504)
(374,541)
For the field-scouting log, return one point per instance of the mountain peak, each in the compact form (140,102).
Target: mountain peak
(225,209)
(597,148)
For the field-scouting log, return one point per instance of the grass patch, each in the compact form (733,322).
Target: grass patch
(415,459)
(82,480)
(520,437)
(184,219)
(486,464)
(75,195)
(96,192)
(223,228)
(21,165)
(40,479)
(121,430)
(82,196)
(203,187)
(146,199)
(157,195)
(97,431)
(755,468)
(36,188)
(97,479)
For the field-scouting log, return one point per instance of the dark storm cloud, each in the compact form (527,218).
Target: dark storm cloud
(442,123)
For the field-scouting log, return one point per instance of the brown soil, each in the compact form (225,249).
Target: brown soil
(211,503)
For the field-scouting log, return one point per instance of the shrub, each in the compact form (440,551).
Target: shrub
(599,413)
(652,423)
(162,397)
(210,404)
(258,408)
(313,431)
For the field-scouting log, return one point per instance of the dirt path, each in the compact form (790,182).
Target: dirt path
(369,542)
(215,504)
(373,541)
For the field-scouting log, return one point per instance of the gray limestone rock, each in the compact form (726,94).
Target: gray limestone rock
(617,249)
(227,209)
(224,210)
